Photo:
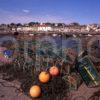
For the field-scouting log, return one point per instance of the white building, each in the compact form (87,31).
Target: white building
(44,28)
(27,28)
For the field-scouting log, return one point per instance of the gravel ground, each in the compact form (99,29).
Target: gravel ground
(84,93)
(9,91)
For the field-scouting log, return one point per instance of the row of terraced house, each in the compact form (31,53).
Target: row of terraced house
(42,27)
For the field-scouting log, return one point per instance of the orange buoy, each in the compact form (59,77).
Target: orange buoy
(35,91)
(44,77)
(54,71)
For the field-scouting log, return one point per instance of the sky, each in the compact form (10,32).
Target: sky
(66,11)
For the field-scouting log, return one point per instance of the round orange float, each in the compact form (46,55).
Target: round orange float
(54,71)
(35,91)
(44,77)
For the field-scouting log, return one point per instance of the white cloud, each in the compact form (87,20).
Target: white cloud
(26,10)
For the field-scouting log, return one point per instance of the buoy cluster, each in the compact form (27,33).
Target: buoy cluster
(44,77)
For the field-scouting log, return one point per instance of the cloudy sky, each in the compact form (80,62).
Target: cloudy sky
(82,11)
